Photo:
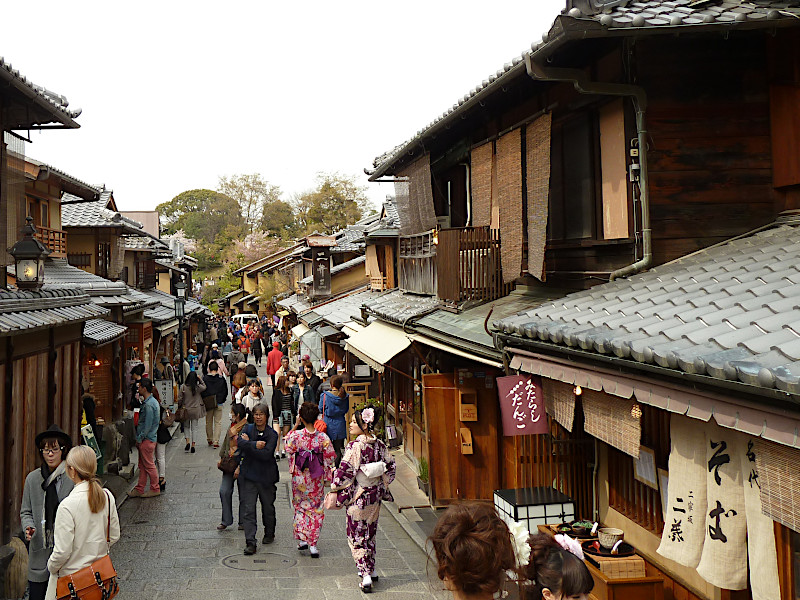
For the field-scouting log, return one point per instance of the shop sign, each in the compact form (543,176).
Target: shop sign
(522,405)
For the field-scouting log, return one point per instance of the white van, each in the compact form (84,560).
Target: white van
(244,318)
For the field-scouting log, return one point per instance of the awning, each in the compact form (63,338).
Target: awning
(283,313)
(750,419)
(351,328)
(452,350)
(300,330)
(377,344)
(166,328)
(99,332)
(311,318)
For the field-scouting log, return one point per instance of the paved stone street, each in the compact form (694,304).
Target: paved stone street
(170,547)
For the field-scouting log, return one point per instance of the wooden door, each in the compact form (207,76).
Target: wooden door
(443,444)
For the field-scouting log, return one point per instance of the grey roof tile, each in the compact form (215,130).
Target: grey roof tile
(727,322)
(97,332)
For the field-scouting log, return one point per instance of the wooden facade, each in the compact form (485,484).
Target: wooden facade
(40,375)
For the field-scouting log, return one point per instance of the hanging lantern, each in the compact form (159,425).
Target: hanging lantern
(29,254)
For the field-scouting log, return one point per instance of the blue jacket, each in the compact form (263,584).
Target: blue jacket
(335,414)
(149,418)
(258,465)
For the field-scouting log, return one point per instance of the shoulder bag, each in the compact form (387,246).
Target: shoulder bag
(169,418)
(228,464)
(320,424)
(98,581)
(181,414)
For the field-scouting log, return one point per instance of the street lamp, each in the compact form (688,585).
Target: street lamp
(180,302)
(29,254)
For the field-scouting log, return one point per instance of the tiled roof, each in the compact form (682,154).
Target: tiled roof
(59,274)
(397,306)
(98,332)
(55,103)
(94,214)
(142,300)
(349,240)
(468,325)
(338,268)
(24,311)
(64,176)
(297,304)
(145,242)
(165,309)
(602,18)
(340,311)
(233,293)
(729,312)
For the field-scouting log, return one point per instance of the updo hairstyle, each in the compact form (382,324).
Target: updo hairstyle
(554,568)
(473,548)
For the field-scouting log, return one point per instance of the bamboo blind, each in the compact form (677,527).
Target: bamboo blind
(559,402)
(608,418)
(509,194)
(482,159)
(779,479)
(416,208)
(537,163)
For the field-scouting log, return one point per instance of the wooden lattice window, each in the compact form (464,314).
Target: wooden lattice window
(81,260)
(638,502)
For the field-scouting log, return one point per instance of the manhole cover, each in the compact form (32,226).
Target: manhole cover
(261,561)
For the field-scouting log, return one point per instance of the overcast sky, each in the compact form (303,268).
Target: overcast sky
(176,94)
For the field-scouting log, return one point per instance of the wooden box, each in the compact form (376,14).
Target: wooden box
(467,405)
(466,440)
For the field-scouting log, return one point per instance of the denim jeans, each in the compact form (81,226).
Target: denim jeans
(249,493)
(226,496)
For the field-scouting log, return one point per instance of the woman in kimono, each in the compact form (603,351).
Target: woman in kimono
(311,461)
(361,482)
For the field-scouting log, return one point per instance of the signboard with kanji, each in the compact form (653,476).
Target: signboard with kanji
(522,405)
(321,265)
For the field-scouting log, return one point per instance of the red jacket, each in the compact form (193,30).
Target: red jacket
(274,361)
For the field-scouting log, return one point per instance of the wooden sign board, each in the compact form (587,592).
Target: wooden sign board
(466,440)
(467,405)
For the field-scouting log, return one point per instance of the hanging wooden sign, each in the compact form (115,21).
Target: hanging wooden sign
(522,405)
(466,440)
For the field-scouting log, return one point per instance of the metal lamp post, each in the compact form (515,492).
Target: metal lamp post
(180,302)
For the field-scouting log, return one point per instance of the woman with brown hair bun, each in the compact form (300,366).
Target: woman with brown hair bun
(556,570)
(473,549)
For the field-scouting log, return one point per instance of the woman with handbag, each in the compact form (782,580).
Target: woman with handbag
(333,406)
(311,459)
(86,526)
(229,465)
(163,436)
(283,412)
(191,399)
(361,483)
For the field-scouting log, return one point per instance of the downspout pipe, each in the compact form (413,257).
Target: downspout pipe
(582,84)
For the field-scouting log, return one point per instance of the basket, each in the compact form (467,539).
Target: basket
(608,536)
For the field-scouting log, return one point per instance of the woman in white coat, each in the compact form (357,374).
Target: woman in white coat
(82,520)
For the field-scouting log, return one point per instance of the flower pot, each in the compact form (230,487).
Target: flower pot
(423,485)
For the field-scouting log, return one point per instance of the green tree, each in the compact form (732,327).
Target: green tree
(201,214)
(336,202)
(254,194)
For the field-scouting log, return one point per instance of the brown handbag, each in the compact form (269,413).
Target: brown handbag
(98,581)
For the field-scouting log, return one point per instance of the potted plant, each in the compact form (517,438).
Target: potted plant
(422,475)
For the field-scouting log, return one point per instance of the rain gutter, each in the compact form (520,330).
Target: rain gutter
(578,78)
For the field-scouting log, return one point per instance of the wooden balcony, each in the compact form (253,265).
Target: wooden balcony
(54,239)
(468,265)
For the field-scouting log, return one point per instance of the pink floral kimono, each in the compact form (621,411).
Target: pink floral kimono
(311,461)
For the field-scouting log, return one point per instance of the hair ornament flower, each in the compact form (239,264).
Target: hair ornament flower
(522,548)
(570,545)
(368,415)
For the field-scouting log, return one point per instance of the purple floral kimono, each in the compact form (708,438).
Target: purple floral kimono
(362,482)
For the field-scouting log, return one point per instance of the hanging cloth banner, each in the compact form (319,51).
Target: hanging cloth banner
(761,552)
(685,522)
(724,559)
(522,405)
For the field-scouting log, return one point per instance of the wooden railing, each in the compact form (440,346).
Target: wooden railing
(54,239)
(468,265)
(378,283)
(416,263)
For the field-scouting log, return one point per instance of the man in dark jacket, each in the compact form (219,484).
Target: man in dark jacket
(258,476)
(215,386)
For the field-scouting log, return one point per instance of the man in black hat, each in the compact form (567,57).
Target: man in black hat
(44,489)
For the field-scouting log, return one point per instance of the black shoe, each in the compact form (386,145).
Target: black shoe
(186,447)
(250,550)
(241,527)
(192,450)
(302,547)
(268,539)
(162,484)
